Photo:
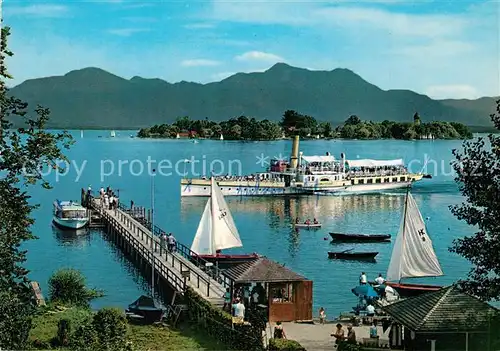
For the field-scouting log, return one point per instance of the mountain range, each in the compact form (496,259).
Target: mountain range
(94,98)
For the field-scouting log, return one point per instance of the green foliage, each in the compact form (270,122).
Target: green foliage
(110,325)
(284,345)
(346,346)
(23,152)
(85,338)
(67,286)
(217,324)
(63,332)
(355,128)
(478,169)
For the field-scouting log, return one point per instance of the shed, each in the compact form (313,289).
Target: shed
(288,294)
(447,319)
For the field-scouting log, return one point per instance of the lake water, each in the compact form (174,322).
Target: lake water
(264,223)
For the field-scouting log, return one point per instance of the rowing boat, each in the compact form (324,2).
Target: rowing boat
(311,225)
(361,237)
(349,255)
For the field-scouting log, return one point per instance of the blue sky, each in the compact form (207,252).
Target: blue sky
(440,48)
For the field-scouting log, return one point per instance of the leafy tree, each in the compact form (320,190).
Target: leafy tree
(67,286)
(326,129)
(352,120)
(22,152)
(478,176)
(183,123)
(416,119)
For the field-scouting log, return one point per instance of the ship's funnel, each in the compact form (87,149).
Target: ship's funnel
(295,152)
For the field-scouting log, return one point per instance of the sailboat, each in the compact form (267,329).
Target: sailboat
(221,137)
(217,231)
(113,134)
(413,255)
(81,133)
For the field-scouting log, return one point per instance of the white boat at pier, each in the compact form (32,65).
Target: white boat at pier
(69,215)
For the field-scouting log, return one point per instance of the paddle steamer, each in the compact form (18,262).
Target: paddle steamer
(305,175)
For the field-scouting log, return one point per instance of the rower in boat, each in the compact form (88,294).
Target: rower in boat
(297,220)
(308,222)
(315,221)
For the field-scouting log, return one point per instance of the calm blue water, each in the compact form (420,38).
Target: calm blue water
(264,223)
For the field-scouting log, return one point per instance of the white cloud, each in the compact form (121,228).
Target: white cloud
(259,56)
(201,25)
(126,32)
(436,49)
(323,14)
(199,62)
(458,91)
(39,10)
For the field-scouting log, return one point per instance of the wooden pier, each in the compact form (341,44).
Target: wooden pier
(131,231)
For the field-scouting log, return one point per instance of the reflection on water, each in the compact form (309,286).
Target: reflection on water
(289,208)
(336,213)
(78,237)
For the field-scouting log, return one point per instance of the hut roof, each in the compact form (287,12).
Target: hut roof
(262,270)
(445,310)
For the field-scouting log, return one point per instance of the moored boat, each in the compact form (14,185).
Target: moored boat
(307,226)
(307,175)
(69,215)
(351,255)
(217,231)
(413,254)
(361,237)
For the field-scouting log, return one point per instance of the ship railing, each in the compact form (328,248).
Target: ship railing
(210,269)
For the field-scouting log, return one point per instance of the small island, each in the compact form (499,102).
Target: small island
(294,123)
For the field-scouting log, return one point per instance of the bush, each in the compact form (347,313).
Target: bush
(63,332)
(67,286)
(85,338)
(218,324)
(110,326)
(345,346)
(285,345)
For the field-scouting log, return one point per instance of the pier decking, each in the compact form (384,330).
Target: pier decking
(179,269)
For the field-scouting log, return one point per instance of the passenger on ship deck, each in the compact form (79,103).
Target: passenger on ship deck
(379,280)
(370,310)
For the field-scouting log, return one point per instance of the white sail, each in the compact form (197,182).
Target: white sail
(216,230)
(221,137)
(81,133)
(413,255)
(224,232)
(203,243)
(113,134)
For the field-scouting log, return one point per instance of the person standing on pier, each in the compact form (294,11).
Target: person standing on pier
(163,242)
(171,242)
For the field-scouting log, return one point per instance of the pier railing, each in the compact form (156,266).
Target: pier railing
(209,268)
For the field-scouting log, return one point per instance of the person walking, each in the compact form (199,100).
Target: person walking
(171,242)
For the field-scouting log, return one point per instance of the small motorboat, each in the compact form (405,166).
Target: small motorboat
(361,237)
(350,255)
(307,226)
(146,308)
(69,215)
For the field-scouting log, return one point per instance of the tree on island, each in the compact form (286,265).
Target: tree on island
(478,176)
(22,151)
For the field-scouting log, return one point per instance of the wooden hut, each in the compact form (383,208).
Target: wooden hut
(288,294)
(447,319)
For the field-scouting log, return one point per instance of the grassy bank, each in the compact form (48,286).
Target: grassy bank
(145,337)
